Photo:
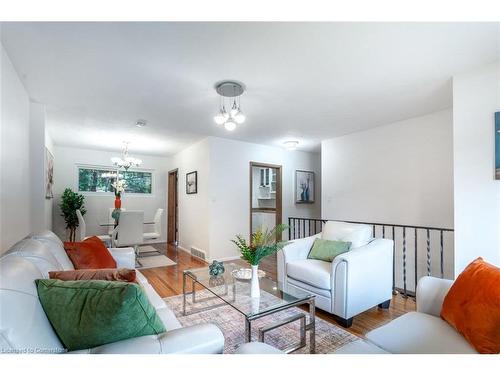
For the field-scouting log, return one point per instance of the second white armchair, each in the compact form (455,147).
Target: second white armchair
(352,283)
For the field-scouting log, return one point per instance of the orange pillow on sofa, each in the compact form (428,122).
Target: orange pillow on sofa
(472,306)
(108,274)
(90,253)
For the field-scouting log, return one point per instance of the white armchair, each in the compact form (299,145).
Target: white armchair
(354,282)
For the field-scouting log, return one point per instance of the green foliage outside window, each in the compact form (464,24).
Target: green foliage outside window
(100,180)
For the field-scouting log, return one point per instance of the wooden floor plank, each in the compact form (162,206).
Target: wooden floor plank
(167,281)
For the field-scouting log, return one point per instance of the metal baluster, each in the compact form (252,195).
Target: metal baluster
(404,262)
(416,257)
(303,228)
(373,231)
(428,253)
(310,227)
(294,229)
(383,231)
(289,228)
(442,256)
(393,261)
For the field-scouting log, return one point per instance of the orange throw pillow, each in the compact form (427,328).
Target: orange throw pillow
(108,274)
(472,306)
(90,253)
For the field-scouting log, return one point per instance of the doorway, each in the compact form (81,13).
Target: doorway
(173,208)
(265,196)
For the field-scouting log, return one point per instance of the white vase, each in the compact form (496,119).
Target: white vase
(254,288)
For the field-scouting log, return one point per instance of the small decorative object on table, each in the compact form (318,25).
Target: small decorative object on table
(119,186)
(216,268)
(262,243)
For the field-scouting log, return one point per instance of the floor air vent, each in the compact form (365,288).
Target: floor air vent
(198,253)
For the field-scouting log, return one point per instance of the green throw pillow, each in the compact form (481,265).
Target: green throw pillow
(327,250)
(90,313)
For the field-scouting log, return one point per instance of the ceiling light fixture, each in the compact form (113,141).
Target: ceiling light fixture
(140,123)
(230,93)
(126,161)
(291,145)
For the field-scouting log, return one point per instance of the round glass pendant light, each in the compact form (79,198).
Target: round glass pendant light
(229,91)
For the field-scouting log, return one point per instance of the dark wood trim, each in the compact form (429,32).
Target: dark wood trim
(173,206)
(279,192)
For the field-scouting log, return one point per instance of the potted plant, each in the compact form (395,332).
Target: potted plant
(262,244)
(70,202)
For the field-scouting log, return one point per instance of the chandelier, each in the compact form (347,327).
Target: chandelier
(230,93)
(126,161)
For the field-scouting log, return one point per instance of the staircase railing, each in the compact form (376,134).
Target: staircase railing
(418,250)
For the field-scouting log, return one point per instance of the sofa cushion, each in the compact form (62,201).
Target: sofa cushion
(90,253)
(327,250)
(360,347)
(109,274)
(85,314)
(168,318)
(357,234)
(472,306)
(37,253)
(418,333)
(55,246)
(310,271)
(24,327)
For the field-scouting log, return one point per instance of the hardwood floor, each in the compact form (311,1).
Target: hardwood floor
(167,281)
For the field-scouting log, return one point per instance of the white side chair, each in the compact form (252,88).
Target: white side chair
(157,233)
(129,231)
(83,229)
(110,218)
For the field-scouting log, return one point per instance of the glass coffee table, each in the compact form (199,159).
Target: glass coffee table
(236,293)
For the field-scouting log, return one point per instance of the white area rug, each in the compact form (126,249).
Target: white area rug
(155,261)
(329,337)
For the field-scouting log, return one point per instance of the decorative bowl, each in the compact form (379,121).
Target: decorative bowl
(245,274)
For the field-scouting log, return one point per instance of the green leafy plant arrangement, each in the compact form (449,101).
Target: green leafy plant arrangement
(262,244)
(70,202)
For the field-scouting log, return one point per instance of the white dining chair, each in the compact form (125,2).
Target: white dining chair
(111,220)
(129,231)
(157,225)
(83,230)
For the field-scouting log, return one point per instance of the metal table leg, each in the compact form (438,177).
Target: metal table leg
(248,330)
(312,326)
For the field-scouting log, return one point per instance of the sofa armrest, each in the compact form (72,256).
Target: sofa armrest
(123,256)
(295,250)
(198,339)
(362,277)
(430,294)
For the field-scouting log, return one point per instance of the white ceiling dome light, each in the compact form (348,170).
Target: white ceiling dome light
(230,92)
(291,145)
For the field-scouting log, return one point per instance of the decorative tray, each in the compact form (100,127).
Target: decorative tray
(245,274)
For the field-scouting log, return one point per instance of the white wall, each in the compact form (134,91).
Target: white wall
(37,167)
(193,208)
(66,160)
(230,191)
(221,209)
(476,96)
(399,173)
(15,198)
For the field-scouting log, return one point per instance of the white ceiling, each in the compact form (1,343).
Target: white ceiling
(305,81)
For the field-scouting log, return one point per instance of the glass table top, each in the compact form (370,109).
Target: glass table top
(236,292)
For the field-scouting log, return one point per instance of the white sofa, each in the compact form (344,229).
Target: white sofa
(354,282)
(418,332)
(24,327)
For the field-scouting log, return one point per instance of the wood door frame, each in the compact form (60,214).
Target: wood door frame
(175,215)
(279,190)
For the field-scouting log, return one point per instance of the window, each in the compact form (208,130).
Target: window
(99,180)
